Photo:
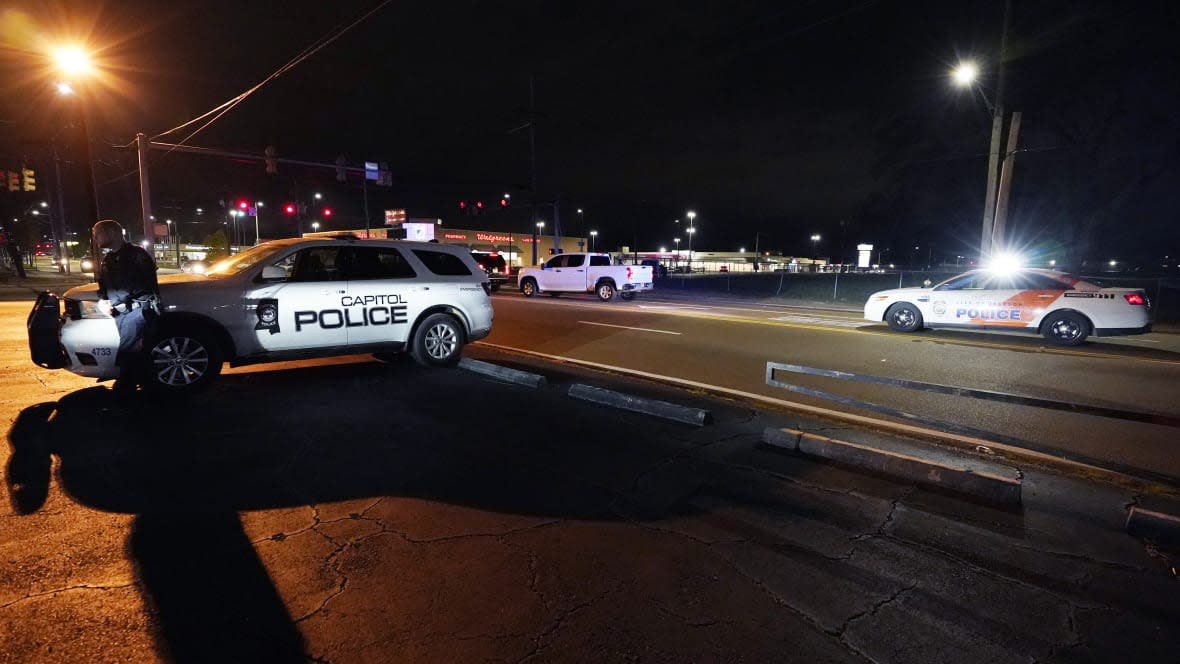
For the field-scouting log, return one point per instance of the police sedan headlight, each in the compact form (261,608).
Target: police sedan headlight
(86,309)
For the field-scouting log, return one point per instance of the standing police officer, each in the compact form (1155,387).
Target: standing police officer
(127,278)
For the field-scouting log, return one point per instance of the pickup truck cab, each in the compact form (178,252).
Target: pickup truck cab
(585,273)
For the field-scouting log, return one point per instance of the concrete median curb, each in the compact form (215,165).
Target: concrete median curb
(937,474)
(668,411)
(1159,526)
(514,376)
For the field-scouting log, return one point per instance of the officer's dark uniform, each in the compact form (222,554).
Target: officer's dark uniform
(128,280)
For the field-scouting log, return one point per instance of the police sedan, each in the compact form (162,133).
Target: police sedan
(1061,307)
(286,299)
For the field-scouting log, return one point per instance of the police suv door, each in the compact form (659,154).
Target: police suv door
(382,296)
(302,311)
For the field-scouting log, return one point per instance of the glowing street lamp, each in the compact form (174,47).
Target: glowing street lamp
(536,239)
(593,237)
(315,226)
(815,238)
(75,64)
(965,74)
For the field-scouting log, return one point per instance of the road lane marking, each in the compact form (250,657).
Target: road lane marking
(890,426)
(815,320)
(625,327)
(867,328)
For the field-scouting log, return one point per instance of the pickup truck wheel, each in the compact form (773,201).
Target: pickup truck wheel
(438,341)
(182,362)
(528,287)
(627,295)
(605,290)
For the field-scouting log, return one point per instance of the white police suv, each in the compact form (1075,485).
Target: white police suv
(282,300)
(1059,306)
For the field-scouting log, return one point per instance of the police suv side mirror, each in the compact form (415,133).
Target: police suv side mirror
(273,273)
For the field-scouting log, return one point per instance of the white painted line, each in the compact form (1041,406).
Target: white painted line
(816,320)
(872,422)
(624,327)
(674,307)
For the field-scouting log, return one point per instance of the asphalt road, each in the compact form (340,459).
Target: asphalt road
(728,344)
(350,510)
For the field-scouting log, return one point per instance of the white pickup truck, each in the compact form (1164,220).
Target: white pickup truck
(585,273)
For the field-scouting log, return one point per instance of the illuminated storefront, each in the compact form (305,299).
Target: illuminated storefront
(517,248)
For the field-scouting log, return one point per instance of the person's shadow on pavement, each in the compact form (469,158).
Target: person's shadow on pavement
(212,596)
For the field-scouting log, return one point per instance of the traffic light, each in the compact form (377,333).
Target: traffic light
(272,164)
(289,209)
(13,181)
(243,205)
(463,209)
(327,212)
(505,201)
(30,179)
(479,207)
(341,175)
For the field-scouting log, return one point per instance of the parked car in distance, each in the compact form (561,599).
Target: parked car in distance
(494,265)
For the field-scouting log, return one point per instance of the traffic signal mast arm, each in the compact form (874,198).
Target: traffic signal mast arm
(260,157)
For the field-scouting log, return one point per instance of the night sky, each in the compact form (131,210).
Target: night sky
(778,118)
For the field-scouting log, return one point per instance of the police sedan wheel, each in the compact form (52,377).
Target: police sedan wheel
(183,362)
(438,341)
(1065,329)
(904,317)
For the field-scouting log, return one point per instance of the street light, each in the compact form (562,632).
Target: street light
(676,241)
(965,74)
(536,233)
(691,230)
(593,238)
(315,226)
(74,63)
(815,238)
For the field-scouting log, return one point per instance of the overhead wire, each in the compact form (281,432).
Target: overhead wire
(219,111)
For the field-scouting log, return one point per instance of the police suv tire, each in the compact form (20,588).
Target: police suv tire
(182,361)
(438,341)
(627,295)
(904,317)
(528,287)
(605,290)
(1065,328)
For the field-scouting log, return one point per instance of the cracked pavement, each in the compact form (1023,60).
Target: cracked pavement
(369,512)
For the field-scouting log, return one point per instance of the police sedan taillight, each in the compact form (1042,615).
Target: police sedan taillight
(1135,298)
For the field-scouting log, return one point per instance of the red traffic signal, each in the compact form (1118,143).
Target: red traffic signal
(289,208)
(463,206)
(243,205)
(479,205)
(327,212)
(504,202)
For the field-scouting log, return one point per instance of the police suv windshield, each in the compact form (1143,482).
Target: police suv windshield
(238,263)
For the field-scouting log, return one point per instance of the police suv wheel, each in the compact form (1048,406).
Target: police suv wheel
(528,287)
(605,290)
(1065,328)
(438,341)
(183,361)
(904,317)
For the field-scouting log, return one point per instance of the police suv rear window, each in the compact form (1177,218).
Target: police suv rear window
(443,264)
(372,263)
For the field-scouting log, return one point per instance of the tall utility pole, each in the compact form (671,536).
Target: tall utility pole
(145,193)
(993,154)
(63,236)
(533,158)
(1006,181)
